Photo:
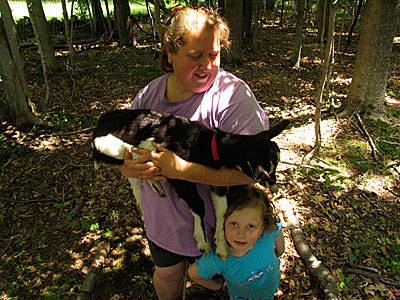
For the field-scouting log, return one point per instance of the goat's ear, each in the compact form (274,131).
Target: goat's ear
(275,130)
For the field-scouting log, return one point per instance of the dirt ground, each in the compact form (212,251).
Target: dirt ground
(56,211)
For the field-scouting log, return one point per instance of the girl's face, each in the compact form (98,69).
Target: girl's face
(242,229)
(196,63)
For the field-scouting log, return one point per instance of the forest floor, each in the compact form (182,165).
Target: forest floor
(56,211)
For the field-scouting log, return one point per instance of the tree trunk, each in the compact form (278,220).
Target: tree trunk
(98,18)
(323,78)
(281,19)
(296,55)
(68,34)
(109,23)
(157,18)
(11,34)
(18,107)
(151,22)
(248,18)
(322,12)
(122,11)
(367,90)
(355,19)
(258,14)
(234,16)
(43,37)
(221,7)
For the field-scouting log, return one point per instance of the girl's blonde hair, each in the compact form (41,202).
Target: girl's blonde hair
(244,196)
(189,19)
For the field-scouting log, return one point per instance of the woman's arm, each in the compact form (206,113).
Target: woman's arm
(141,167)
(208,283)
(173,166)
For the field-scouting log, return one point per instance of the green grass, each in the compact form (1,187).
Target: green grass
(54,9)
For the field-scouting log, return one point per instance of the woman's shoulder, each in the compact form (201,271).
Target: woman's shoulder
(226,77)
(226,82)
(152,91)
(157,82)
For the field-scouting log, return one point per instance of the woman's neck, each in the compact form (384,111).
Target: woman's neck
(175,92)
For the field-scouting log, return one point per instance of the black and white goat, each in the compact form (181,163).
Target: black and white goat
(255,155)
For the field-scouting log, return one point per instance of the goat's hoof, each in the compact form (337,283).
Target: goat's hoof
(223,257)
(204,248)
(222,253)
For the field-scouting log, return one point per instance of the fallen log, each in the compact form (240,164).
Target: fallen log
(374,276)
(314,266)
(87,287)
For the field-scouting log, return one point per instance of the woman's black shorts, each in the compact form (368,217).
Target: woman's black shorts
(164,258)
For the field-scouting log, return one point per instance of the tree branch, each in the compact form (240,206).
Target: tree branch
(375,151)
(313,265)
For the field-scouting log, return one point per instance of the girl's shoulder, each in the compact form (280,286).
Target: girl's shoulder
(273,233)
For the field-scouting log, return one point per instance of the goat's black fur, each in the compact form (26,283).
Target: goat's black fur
(255,155)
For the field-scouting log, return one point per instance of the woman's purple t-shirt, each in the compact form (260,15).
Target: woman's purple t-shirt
(228,105)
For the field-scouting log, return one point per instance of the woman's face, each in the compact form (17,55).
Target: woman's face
(196,63)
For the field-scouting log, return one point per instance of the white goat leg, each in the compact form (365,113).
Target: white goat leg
(199,235)
(220,207)
(137,193)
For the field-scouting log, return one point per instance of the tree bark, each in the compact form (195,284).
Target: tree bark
(323,79)
(354,22)
(18,107)
(43,37)
(248,18)
(11,35)
(68,34)
(314,266)
(234,16)
(321,20)
(258,14)
(221,7)
(157,18)
(98,18)
(109,23)
(367,90)
(122,12)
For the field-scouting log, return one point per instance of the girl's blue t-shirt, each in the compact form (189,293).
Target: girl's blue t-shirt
(254,276)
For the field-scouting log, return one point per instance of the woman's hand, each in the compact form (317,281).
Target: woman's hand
(141,167)
(174,167)
(170,164)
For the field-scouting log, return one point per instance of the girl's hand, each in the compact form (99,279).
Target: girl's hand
(170,164)
(141,167)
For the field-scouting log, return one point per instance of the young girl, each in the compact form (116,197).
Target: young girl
(255,242)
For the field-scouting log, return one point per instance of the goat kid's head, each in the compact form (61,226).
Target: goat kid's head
(264,155)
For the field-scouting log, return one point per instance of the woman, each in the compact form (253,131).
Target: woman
(196,88)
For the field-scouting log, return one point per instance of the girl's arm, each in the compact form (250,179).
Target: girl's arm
(205,282)
(173,166)
(279,244)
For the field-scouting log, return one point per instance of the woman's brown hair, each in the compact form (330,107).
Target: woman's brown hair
(189,19)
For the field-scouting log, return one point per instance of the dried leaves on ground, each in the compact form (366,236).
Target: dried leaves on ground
(56,210)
